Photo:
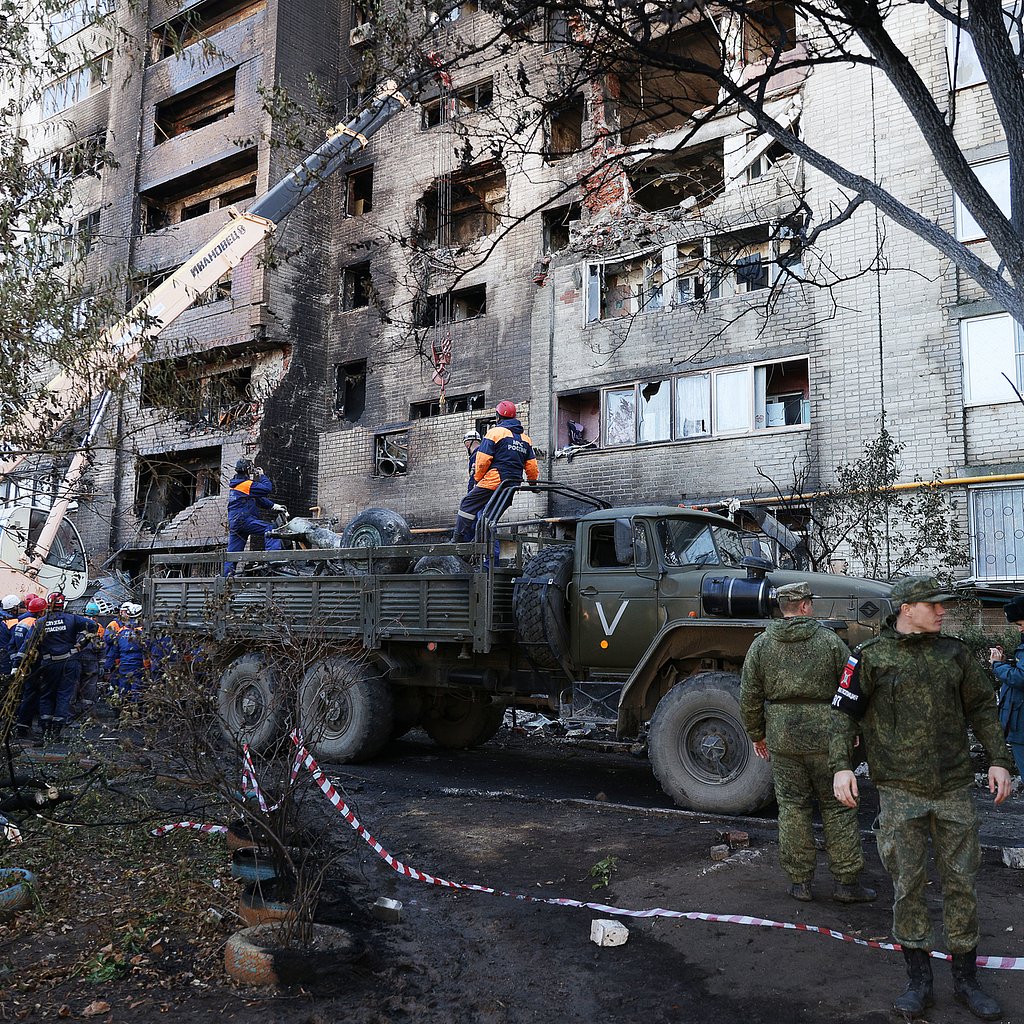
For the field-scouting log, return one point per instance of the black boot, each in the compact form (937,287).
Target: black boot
(918,995)
(966,989)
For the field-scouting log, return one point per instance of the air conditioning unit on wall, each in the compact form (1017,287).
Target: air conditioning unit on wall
(360,35)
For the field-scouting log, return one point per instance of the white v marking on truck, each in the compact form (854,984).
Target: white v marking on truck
(609,629)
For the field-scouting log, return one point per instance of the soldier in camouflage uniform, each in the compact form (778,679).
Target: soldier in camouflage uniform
(789,677)
(912,692)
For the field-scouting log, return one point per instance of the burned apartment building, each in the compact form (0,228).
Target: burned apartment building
(638,288)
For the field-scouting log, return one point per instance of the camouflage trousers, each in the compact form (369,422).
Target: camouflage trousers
(800,779)
(906,824)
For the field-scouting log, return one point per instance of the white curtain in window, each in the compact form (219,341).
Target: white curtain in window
(732,401)
(693,405)
(989,351)
(656,411)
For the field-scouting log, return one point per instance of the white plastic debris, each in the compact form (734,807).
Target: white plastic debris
(605,932)
(1013,856)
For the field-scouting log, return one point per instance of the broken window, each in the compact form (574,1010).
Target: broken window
(467,206)
(625,288)
(200,21)
(169,483)
(450,307)
(195,108)
(214,187)
(350,390)
(565,129)
(764,162)
(453,403)
(655,99)
(74,87)
(86,156)
(769,29)
(359,192)
(741,262)
(579,419)
(356,286)
(456,104)
(781,394)
(556,226)
(391,453)
(686,179)
(638,413)
(689,273)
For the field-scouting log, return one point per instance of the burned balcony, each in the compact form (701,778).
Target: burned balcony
(200,21)
(195,108)
(689,178)
(213,395)
(564,134)
(468,205)
(215,187)
(170,482)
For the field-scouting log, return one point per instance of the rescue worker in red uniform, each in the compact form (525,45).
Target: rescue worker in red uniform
(249,495)
(505,454)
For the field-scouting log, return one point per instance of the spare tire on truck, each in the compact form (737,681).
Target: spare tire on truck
(249,701)
(539,606)
(700,752)
(375,528)
(440,565)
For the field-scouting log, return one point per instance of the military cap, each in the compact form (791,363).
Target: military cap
(915,589)
(1014,609)
(794,592)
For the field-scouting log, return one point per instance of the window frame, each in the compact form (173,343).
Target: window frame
(974,496)
(1016,346)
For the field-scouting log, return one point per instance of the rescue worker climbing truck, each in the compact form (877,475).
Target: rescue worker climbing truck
(635,618)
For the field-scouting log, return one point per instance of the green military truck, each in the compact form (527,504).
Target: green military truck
(637,618)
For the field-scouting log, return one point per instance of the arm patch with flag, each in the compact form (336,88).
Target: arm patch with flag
(849,699)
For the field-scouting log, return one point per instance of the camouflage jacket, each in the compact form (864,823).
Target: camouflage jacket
(913,696)
(789,677)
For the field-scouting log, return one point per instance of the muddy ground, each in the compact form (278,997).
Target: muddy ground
(127,927)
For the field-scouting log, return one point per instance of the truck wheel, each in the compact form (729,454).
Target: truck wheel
(461,722)
(376,528)
(539,610)
(345,710)
(440,565)
(700,751)
(249,701)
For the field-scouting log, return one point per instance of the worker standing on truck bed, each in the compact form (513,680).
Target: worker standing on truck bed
(789,677)
(249,495)
(505,454)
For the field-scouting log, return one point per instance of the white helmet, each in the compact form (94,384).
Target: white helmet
(10,602)
(131,609)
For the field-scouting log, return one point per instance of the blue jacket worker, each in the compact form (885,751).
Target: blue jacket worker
(10,607)
(504,455)
(56,635)
(249,496)
(1010,673)
(125,656)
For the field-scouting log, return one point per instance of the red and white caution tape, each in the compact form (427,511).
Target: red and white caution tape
(250,784)
(1005,963)
(11,832)
(198,826)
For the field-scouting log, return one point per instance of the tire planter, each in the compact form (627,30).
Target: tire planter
(699,749)
(256,956)
(539,607)
(252,865)
(375,528)
(15,890)
(460,723)
(268,901)
(346,712)
(239,836)
(249,702)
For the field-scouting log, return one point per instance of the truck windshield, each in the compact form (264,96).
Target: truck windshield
(688,543)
